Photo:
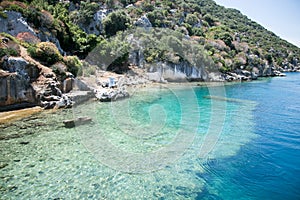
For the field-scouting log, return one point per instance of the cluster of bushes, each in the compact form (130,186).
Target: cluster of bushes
(115,22)
(74,65)
(229,38)
(111,54)
(157,45)
(9,46)
(54,15)
(48,53)
(8,52)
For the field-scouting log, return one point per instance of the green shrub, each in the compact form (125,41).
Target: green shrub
(32,51)
(156,17)
(8,52)
(227,38)
(13,5)
(224,69)
(197,31)
(10,47)
(269,58)
(88,69)
(85,13)
(3,14)
(191,19)
(74,65)
(10,37)
(209,19)
(114,22)
(46,52)
(110,53)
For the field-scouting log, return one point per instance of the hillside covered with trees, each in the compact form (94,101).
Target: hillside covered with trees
(229,38)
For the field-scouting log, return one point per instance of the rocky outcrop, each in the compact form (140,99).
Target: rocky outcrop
(16,64)
(52,97)
(245,75)
(264,70)
(80,96)
(136,58)
(24,84)
(106,95)
(46,36)
(14,24)
(15,78)
(80,85)
(133,79)
(14,90)
(156,77)
(95,25)
(143,22)
(182,71)
(67,85)
(216,76)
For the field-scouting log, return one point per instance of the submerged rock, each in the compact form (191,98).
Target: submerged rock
(2,165)
(24,142)
(77,122)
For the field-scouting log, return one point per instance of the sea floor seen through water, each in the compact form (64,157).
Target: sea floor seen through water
(238,141)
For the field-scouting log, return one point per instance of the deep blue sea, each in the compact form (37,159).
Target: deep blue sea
(268,167)
(233,141)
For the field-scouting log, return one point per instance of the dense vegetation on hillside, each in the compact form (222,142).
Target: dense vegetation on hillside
(229,38)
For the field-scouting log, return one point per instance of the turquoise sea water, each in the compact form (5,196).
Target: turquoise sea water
(168,142)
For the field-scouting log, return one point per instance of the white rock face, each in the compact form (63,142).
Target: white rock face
(14,24)
(143,22)
(45,37)
(179,72)
(156,77)
(95,26)
(16,64)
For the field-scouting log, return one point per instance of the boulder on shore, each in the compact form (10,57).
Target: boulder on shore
(109,94)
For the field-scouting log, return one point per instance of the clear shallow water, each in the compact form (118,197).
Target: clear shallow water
(155,145)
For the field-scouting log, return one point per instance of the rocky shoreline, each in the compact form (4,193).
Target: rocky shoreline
(97,88)
(24,84)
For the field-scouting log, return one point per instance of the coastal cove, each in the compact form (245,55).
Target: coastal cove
(254,127)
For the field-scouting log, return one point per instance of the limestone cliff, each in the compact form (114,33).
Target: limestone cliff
(25,82)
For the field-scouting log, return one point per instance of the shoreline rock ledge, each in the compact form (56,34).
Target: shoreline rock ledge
(107,95)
